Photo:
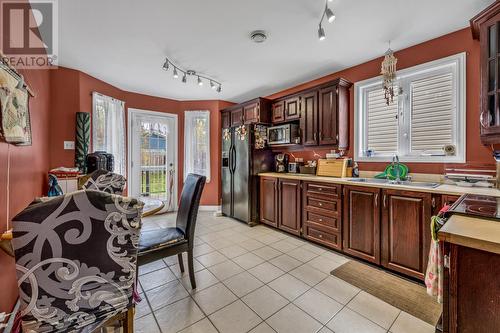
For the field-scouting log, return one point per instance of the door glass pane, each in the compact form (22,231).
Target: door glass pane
(491,75)
(492,32)
(491,111)
(154,160)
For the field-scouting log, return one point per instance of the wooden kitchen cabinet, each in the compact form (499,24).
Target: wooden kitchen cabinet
(471,291)
(322,212)
(292,108)
(486,28)
(237,117)
(269,201)
(289,206)
(251,112)
(309,118)
(226,119)
(405,231)
(333,114)
(278,111)
(361,222)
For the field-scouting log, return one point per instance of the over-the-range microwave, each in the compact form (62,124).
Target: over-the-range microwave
(283,134)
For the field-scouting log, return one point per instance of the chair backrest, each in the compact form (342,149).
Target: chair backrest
(105,181)
(190,202)
(76,259)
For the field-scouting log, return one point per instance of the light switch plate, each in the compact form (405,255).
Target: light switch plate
(69,145)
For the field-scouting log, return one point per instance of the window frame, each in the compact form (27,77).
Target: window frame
(188,140)
(404,79)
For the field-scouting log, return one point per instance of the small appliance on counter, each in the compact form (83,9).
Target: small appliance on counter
(309,168)
(294,167)
(282,163)
(283,134)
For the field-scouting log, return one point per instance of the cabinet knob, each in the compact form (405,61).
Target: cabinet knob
(320,220)
(320,189)
(320,204)
(320,236)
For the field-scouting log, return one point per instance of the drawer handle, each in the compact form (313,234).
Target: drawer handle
(320,204)
(320,189)
(320,236)
(320,220)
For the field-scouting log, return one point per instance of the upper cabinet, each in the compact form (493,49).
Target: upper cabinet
(486,28)
(255,111)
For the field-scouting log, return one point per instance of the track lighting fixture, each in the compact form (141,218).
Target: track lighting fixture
(214,84)
(330,17)
(321,33)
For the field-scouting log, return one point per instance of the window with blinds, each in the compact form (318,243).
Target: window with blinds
(426,121)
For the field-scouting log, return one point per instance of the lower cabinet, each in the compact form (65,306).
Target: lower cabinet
(322,213)
(268,209)
(406,234)
(289,205)
(361,222)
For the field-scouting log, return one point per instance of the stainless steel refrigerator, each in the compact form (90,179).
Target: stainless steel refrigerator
(242,161)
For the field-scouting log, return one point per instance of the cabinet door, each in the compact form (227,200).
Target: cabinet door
(237,117)
(269,201)
(361,224)
(251,113)
(328,124)
(405,231)
(289,206)
(490,80)
(226,119)
(292,108)
(309,119)
(278,110)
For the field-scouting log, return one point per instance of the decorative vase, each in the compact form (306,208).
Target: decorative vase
(82,140)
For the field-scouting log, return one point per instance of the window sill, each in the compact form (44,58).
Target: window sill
(413,159)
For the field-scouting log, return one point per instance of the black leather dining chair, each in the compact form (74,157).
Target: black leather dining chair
(164,242)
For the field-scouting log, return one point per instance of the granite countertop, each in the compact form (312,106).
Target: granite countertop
(473,232)
(441,189)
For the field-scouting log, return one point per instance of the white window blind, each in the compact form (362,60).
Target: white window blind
(382,123)
(432,110)
(108,129)
(427,116)
(197,143)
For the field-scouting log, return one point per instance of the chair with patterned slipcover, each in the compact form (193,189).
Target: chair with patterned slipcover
(76,260)
(105,181)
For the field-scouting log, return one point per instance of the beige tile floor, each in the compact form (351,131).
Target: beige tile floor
(258,280)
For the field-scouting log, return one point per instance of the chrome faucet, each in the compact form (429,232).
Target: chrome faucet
(395,163)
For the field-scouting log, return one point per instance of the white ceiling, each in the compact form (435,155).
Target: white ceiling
(124,42)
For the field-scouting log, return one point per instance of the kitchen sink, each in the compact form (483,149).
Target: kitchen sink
(386,181)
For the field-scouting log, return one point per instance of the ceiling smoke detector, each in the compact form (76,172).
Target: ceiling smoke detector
(258,36)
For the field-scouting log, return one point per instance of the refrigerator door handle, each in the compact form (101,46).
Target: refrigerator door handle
(233,159)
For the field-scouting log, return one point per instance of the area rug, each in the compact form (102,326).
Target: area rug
(403,294)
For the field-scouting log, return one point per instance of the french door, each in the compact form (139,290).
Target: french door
(153,156)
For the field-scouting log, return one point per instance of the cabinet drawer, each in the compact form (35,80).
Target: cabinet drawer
(327,221)
(323,189)
(320,235)
(329,206)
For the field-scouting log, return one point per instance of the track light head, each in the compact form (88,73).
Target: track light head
(212,85)
(200,82)
(329,15)
(165,65)
(184,78)
(176,75)
(219,88)
(321,33)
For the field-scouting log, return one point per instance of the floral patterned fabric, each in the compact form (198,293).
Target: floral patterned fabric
(105,181)
(76,259)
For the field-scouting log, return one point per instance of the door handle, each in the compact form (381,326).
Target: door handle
(385,200)
(376,199)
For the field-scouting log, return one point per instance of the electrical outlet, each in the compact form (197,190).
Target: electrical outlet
(68,145)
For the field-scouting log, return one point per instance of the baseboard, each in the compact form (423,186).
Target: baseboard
(210,208)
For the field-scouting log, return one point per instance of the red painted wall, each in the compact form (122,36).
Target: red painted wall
(453,43)
(78,88)
(28,168)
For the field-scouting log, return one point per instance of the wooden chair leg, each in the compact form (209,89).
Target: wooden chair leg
(191,268)
(181,262)
(128,322)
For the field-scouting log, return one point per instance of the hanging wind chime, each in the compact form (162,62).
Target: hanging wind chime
(388,71)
